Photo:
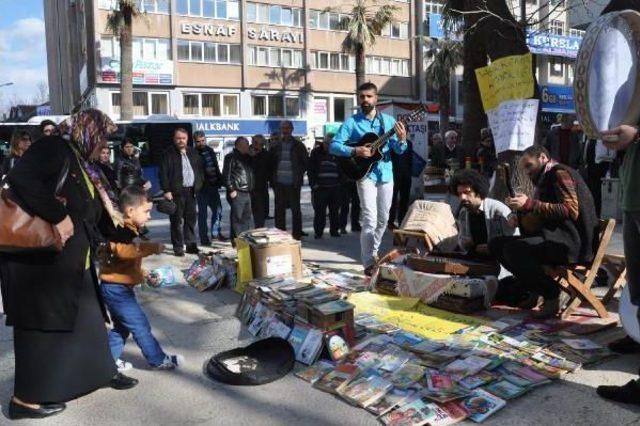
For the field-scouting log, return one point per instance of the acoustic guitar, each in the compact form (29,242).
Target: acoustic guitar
(529,223)
(356,168)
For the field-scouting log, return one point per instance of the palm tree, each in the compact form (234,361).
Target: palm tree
(120,22)
(365,23)
(444,56)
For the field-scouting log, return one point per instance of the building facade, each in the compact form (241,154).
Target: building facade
(223,61)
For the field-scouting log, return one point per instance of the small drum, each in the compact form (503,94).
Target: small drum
(607,76)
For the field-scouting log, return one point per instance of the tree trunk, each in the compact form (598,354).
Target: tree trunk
(360,66)
(444,99)
(494,35)
(126,66)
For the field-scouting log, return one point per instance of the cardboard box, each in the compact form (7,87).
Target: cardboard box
(283,258)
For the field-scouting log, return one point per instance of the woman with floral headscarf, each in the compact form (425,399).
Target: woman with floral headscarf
(52,299)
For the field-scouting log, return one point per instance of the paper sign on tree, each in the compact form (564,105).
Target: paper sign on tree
(505,79)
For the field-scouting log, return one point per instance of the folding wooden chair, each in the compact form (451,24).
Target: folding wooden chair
(617,266)
(577,280)
(403,238)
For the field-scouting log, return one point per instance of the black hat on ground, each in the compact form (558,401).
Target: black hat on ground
(261,362)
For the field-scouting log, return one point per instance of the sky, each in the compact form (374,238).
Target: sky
(23,59)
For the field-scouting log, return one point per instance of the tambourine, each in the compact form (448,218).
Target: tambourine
(607,74)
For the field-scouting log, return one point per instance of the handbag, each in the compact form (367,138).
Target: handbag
(22,232)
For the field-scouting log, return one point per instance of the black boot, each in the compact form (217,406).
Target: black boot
(17,411)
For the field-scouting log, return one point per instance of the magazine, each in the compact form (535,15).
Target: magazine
(275,328)
(426,346)
(393,359)
(298,336)
(407,375)
(365,390)
(260,314)
(467,366)
(313,373)
(475,381)
(449,413)
(437,381)
(481,404)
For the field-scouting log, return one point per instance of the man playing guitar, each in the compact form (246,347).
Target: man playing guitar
(376,188)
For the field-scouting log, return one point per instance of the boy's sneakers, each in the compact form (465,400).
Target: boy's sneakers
(123,366)
(171,362)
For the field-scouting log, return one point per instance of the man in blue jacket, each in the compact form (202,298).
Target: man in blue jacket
(376,189)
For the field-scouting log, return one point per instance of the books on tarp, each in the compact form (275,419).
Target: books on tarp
(481,404)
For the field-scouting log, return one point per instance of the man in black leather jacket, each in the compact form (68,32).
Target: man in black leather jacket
(238,178)
(181,178)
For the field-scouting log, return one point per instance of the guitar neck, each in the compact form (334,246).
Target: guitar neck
(382,140)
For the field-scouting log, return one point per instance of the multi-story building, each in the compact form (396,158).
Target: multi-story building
(230,65)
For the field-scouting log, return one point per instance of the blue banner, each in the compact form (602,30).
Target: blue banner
(557,99)
(239,127)
(435,26)
(555,45)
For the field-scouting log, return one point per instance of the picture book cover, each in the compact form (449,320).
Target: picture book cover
(407,375)
(416,411)
(314,372)
(448,413)
(340,375)
(481,404)
(467,366)
(336,344)
(505,389)
(297,337)
(365,391)
(390,400)
(311,347)
(479,379)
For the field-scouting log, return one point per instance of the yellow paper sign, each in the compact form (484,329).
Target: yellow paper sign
(505,79)
(411,315)
(244,272)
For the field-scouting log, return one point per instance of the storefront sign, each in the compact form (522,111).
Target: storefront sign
(557,99)
(269,34)
(144,71)
(238,127)
(551,44)
(208,29)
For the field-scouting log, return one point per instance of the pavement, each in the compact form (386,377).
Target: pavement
(199,325)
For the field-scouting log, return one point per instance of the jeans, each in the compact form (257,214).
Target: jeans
(524,257)
(631,240)
(209,198)
(183,221)
(375,202)
(260,205)
(240,215)
(321,198)
(288,196)
(129,318)
(349,196)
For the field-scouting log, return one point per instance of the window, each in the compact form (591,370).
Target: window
(154,6)
(273,14)
(319,20)
(576,33)
(141,100)
(556,27)
(433,7)
(159,103)
(332,61)
(142,48)
(218,53)
(275,106)
(274,57)
(556,67)
(219,9)
(387,66)
(259,105)
(210,104)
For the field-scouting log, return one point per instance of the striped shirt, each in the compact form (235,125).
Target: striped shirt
(284,175)
(565,188)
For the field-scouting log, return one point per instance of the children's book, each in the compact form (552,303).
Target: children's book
(390,400)
(366,390)
(416,411)
(297,337)
(505,389)
(481,404)
(311,347)
(479,379)
(314,372)
(407,375)
(335,378)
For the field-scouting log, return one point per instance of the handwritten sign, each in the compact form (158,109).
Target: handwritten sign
(513,124)
(505,79)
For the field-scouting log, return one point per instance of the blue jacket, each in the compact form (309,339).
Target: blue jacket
(357,126)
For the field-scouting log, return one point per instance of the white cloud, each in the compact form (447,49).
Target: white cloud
(23,59)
